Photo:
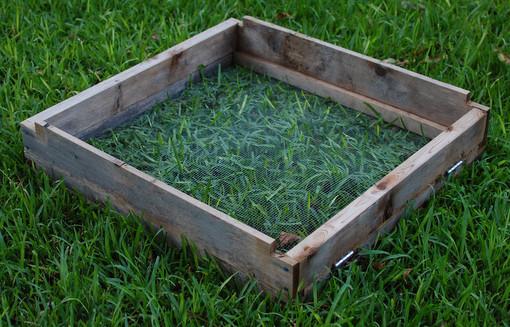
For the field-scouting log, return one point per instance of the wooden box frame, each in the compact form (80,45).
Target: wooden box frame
(54,140)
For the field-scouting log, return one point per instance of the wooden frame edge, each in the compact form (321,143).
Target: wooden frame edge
(110,94)
(409,91)
(372,107)
(411,180)
(104,178)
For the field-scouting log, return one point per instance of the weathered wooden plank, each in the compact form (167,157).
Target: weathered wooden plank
(405,185)
(347,98)
(398,87)
(88,109)
(387,225)
(102,177)
(136,109)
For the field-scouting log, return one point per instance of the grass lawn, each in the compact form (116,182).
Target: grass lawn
(65,261)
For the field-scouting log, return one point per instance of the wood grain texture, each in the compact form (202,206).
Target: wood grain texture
(136,109)
(386,83)
(104,178)
(89,109)
(407,185)
(347,98)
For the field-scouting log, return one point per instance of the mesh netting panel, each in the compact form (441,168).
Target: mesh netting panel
(272,156)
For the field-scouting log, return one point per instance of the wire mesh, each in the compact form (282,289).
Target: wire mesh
(272,156)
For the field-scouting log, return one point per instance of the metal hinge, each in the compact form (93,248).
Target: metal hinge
(344,259)
(455,168)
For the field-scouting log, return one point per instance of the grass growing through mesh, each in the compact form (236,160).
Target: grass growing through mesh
(279,159)
(65,261)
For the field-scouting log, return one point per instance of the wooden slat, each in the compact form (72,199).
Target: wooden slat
(410,181)
(347,98)
(406,90)
(88,109)
(102,177)
(134,110)
(386,226)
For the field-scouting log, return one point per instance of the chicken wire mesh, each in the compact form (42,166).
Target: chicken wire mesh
(272,156)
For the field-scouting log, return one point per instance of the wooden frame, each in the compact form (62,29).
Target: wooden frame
(54,140)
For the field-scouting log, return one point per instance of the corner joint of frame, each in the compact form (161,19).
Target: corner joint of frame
(41,130)
(478,106)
